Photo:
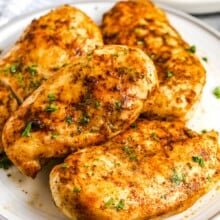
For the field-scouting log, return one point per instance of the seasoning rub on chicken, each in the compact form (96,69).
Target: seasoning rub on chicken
(153,169)
(181,75)
(47,44)
(85,103)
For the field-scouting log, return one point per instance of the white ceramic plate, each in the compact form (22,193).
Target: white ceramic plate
(194,6)
(22,198)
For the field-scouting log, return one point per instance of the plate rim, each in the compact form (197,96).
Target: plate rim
(194,7)
(168,9)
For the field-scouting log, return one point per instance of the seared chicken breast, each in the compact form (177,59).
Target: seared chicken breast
(47,44)
(181,75)
(154,168)
(8,104)
(93,99)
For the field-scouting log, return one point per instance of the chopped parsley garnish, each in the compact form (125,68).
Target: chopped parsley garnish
(118,105)
(199,160)
(84,120)
(109,203)
(209,178)
(97,104)
(90,56)
(35,83)
(27,130)
(204,131)
(14,68)
(154,136)
(216,92)
(192,49)
(51,108)
(120,205)
(169,74)
(205,59)
(20,79)
(177,178)
(130,152)
(51,98)
(64,165)
(32,70)
(69,120)
(54,135)
(5,163)
(134,125)
(76,189)
(117,164)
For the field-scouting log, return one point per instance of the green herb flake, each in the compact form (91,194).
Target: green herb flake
(120,205)
(192,49)
(1,51)
(20,79)
(204,131)
(27,130)
(5,163)
(169,74)
(216,92)
(84,120)
(117,164)
(35,84)
(69,120)
(90,56)
(154,136)
(97,104)
(51,108)
(14,68)
(76,190)
(64,165)
(130,152)
(134,125)
(205,59)
(209,178)
(32,70)
(199,160)
(177,178)
(109,203)
(118,105)
(51,97)
(54,135)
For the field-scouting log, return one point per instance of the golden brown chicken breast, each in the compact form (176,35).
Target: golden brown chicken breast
(48,43)
(8,104)
(93,99)
(181,75)
(154,168)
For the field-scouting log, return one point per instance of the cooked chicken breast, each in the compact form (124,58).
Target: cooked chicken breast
(48,43)
(181,75)
(8,104)
(154,168)
(84,104)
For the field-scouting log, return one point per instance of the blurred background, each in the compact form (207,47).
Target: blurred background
(205,10)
